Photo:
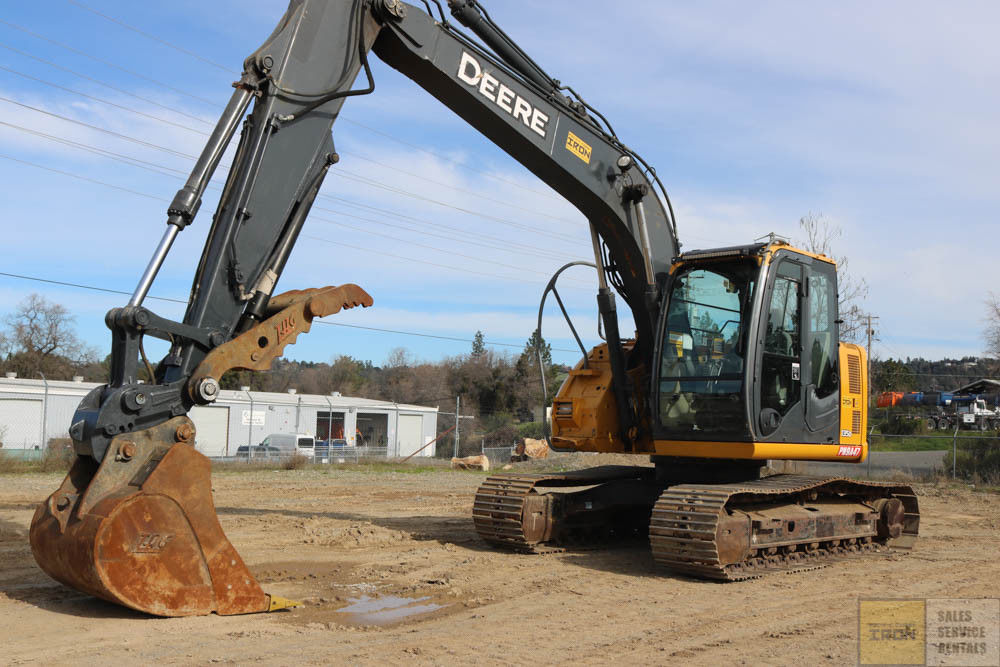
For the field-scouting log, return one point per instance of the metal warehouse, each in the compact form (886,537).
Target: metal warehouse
(34,411)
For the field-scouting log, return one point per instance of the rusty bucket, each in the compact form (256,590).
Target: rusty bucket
(140,530)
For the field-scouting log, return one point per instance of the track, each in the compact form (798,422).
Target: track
(684,528)
(498,508)
(507,511)
(685,531)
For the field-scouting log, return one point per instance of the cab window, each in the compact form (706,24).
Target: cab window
(781,368)
(822,326)
(703,350)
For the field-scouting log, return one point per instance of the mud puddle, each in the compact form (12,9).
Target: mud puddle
(385,610)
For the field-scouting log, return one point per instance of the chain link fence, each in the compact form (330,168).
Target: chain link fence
(498,456)
(960,455)
(323,455)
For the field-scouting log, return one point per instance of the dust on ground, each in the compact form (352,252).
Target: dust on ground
(390,570)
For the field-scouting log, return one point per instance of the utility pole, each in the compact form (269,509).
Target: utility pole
(870,332)
(458,419)
(868,349)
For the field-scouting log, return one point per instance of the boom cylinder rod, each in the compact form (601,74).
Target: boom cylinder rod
(647,251)
(188,198)
(602,279)
(154,265)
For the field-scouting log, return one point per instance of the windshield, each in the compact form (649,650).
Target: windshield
(704,349)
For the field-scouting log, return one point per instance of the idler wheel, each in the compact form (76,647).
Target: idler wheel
(890,518)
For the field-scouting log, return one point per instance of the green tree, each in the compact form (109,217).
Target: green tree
(478,345)
(536,342)
(892,375)
(528,377)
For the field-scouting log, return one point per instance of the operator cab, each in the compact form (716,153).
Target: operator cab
(748,347)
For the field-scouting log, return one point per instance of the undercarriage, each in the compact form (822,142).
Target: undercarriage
(724,531)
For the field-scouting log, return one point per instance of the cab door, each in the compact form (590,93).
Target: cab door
(797,397)
(821,381)
(778,378)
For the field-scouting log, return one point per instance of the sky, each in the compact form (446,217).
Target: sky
(881,117)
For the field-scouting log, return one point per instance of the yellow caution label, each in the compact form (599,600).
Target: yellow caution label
(578,147)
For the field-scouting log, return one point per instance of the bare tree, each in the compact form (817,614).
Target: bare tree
(820,235)
(992,331)
(40,339)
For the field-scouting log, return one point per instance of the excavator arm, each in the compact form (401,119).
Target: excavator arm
(133,522)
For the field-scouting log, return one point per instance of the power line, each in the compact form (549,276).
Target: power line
(424,335)
(521,247)
(102,101)
(163,170)
(383,253)
(337,242)
(336,324)
(98,129)
(87,77)
(458,189)
(112,155)
(82,178)
(152,37)
(81,286)
(461,164)
(430,247)
(215,104)
(344,173)
(85,54)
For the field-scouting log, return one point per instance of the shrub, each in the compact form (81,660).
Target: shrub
(531,430)
(59,456)
(294,462)
(976,460)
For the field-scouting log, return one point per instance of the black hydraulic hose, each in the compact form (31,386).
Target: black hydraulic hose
(335,93)
(470,14)
(551,287)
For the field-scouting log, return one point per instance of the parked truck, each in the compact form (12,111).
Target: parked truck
(946,410)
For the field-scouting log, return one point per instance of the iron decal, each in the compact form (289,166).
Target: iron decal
(578,147)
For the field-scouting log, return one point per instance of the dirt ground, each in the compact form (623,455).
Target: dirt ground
(402,546)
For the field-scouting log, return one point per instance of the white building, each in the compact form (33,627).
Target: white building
(34,411)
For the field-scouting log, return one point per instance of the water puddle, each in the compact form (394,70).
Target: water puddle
(367,610)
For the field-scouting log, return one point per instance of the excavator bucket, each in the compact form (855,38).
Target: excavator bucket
(140,530)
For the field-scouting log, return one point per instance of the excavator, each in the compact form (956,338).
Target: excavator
(735,360)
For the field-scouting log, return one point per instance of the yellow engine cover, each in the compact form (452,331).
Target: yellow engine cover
(853,397)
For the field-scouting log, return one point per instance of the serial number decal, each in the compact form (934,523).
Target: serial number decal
(502,95)
(151,543)
(578,147)
(852,451)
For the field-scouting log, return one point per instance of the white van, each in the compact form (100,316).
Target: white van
(291,443)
